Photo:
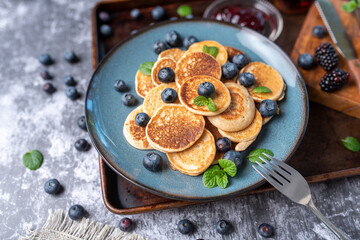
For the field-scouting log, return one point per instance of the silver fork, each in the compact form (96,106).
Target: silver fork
(293,185)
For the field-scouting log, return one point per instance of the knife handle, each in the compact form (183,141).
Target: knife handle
(354,67)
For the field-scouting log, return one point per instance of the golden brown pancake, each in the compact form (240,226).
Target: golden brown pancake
(161,63)
(196,159)
(196,63)
(174,53)
(241,112)
(135,135)
(143,84)
(188,92)
(242,146)
(234,51)
(215,132)
(222,55)
(173,128)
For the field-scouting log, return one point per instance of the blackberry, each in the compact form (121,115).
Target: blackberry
(334,80)
(326,55)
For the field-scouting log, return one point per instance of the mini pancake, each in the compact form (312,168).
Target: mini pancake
(188,92)
(161,63)
(196,159)
(135,135)
(173,128)
(234,51)
(241,112)
(222,55)
(242,146)
(153,101)
(174,53)
(196,63)
(143,84)
(247,134)
(215,132)
(265,76)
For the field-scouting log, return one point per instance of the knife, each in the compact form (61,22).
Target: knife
(340,38)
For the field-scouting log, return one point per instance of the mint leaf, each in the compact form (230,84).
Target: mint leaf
(209,177)
(351,144)
(184,10)
(201,101)
(213,51)
(146,68)
(33,159)
(349,7)
(255,154)
(261,89)
(211,105)
(222,179)
(228,166)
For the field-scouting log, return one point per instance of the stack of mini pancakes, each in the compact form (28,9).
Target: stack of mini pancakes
(186,132)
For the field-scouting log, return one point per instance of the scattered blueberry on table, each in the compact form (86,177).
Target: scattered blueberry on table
(168,95)
(223,144)
(104,16)
(135,13)
(246,79)
(166,75)
(82,123)
(185,226)
(206,89)
(158,13)
(229,70)
(49,88)
(76,212)
(267,108)
(173,39)
(82,145)
(159,46)
(128,99)
(326,56)
(223,227)
(71,57)
(266,230)
(69,80)
(45,75)
(106,30)
(189,40)
(52,186)
(72,93)
(319,31)
(152,162)
(240,60)
(142,119)
(334,80)
(234,156)
(120,86)
(306,61)
(126,224)
(45,59)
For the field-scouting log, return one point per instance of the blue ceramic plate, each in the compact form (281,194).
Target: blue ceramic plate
(106,114)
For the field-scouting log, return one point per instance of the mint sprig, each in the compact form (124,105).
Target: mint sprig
(203,101)
(33,159)
(255,154)
(146,68)
(215,176)
(261,89)
(184,10)
(213,51)
(351,144)
(350,6)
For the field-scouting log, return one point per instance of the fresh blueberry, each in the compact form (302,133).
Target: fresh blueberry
(173,38)
(71,57)
(128,99)
(76,212)
(135,13)
(82,123)
(45,75)
(82,145)
(266,230)
(106,30)
(69,81)
(223,227)
(206,89)
(49,88)
(190,16)
(306,61)
(229,70)
(185,226)
(120,86)
(52,186)
(240,61)
(246,79)
(159,46)
(133,32)
(267,108)
(319,31)
(223,144)
(234,156)
(72,93)
(152,162)
(169,95)
(142,119)
(166,75)
(45,59)
(189,40)
(158,13)
(125,224)
(104,16)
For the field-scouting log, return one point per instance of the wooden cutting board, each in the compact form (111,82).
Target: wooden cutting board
(347,99)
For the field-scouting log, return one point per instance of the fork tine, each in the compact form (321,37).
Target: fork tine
(268,178)
(283,173)
(280,163)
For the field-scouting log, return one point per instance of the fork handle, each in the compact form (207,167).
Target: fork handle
(339,233)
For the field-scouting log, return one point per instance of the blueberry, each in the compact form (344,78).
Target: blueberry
(82,123)
(246,79)
(128,99)
(82,145)
(72,93)
(152,162)
(52,186)
(234,156)
(229,70)
(104,16)
(190,16)
(166,75)
(319,31)
(158,13)
(267,108)
(223,144)
(133,32)
(185,226)
(49,88)
(169,95)
(76,212)
(45,59)
(69,81)
(223,227)
(173,38)
(45,75)
(142,119)
(71,57)
(159,46)
(120,86)
(125,224)
(266,230)
(306,61)
(206,89)
(189,40)
(135,13)
(106,30)
(240,61)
